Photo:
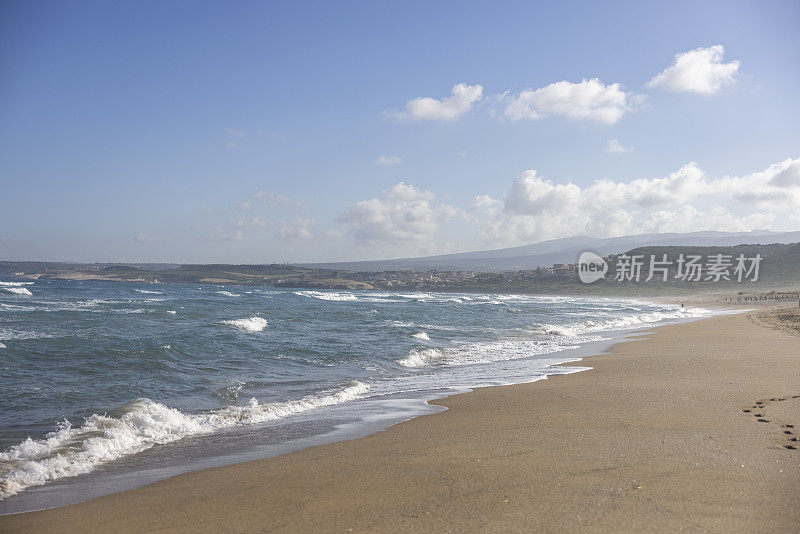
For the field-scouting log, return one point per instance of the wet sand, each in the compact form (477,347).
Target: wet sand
(685,429)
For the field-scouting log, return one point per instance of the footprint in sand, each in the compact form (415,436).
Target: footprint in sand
(761,407)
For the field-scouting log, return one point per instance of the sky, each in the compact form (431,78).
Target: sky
(257,132)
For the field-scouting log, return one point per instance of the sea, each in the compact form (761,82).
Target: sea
(106,386)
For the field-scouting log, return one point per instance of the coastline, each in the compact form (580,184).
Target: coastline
(652,436)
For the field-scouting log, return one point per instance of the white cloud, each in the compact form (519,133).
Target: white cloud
(144,238)
(614,146)
(485,204)
(699,71)
(403,216)
(388,161)
(535,208)
(250,222)
(586,100)
(298,229)
(462,98)
(244,206)
(690,219)
(788,176)
(406,192)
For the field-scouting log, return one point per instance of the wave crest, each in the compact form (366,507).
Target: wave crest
(327,295)
(251,324)
(15,290)
(423,357)
(70,451)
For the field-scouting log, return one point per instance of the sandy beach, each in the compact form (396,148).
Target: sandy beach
(685,428)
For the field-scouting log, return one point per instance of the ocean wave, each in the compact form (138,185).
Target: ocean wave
(70,451)
(172,312)
(423,357)
(15,284)
(2,346)
(625,321)
(472,353)
(421,336)
(16,290)
(228,294)
(251,324)
(148,292)
(327,295)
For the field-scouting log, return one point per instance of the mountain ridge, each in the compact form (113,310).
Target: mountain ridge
(562,250)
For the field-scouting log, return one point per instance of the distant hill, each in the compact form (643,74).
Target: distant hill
(779,270)
(565,250)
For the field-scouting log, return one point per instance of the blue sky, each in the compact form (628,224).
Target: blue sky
(259,132)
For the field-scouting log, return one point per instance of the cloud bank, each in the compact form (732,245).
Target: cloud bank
(406,219)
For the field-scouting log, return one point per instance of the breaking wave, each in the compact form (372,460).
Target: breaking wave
(251,324)
(625,321)
(228,294)
(545,339)
(327,295)
(16,290)
(70,451)
(423,357)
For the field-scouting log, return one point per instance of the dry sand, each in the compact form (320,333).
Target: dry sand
(654,437)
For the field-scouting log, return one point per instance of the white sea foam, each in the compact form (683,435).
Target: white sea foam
(147,291)
(228,294)
(16,290)
(491,351)
(327,295)
(2,346)
(172,312)
(423,357)
(70,451)
(625,321)
(251,324)
(422,336)
(546,339)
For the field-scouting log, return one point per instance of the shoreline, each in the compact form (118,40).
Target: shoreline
(369,474)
